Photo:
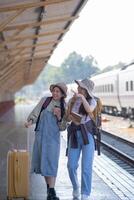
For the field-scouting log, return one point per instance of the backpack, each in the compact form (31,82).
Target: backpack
(96,117)
(97,112)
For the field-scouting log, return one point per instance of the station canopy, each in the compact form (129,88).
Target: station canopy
(30,30)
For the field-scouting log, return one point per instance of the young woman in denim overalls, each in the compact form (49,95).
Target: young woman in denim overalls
(46,147)
(80,137)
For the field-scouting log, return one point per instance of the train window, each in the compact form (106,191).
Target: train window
(108,88)
(103,88)
(127,88)
(112,88)
(131,86)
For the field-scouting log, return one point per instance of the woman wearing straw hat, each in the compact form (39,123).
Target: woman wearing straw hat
(47,114)
(80,137)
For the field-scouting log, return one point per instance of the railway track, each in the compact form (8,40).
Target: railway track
(119,150)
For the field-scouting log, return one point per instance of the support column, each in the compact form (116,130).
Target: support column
(6,102)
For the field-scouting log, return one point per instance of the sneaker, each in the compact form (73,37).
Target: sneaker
(76,194)
(84,197)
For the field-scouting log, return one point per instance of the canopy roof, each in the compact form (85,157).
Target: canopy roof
(30,30)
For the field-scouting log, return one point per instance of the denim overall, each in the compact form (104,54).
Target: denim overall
(46,147)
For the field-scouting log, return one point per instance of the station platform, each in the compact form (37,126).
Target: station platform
(118,126)
(110,182)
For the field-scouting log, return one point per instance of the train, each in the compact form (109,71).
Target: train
(116,90)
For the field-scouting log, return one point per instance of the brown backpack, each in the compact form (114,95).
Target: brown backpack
(96,117)
(97,112)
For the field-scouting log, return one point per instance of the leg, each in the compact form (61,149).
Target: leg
(86,168)
(51,194)
(73,158)
(50,181)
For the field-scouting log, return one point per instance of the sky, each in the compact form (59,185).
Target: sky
(104,29)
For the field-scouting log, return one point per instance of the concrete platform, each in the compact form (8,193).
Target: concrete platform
(104,187)
(100,189)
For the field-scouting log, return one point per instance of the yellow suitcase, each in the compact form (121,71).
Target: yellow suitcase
(17,174)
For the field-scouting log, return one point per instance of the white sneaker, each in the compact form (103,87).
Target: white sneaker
(84,197)
(76,194)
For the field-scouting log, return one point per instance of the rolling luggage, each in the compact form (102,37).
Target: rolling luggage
(18,174)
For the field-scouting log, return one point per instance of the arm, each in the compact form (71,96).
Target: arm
(69,115)
(32,118)
(88,107)
(68,110)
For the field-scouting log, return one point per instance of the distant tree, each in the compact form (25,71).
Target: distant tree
(77,67)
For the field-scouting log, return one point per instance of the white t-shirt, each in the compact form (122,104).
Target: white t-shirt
(76,106)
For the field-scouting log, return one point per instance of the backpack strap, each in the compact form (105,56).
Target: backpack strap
(44,106)
(96,134)
(46,103)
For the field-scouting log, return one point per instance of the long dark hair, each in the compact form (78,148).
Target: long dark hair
(82,109)
(62,102)
(62,106)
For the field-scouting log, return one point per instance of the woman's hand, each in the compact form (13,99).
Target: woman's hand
(77,95)
(57,112)
(28,124)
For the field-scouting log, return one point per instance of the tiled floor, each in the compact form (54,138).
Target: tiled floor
(100,190)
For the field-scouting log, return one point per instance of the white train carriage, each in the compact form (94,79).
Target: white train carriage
(126,90)
(116,89)
(106,87)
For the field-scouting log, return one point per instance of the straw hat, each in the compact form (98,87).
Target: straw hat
(62,86)
(86,84)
